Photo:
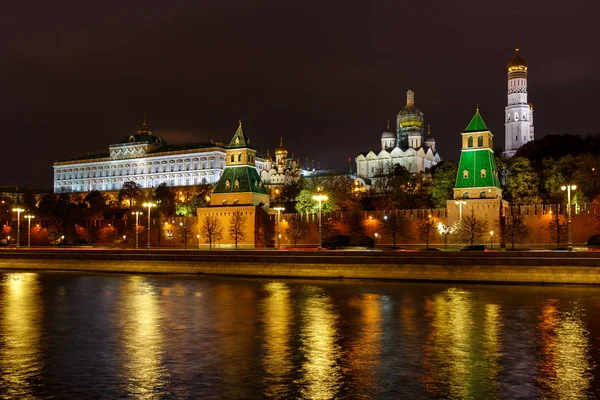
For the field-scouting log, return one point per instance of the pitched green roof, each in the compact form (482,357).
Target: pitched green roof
(475,162)
(247,178)
(240,140)
(476,124)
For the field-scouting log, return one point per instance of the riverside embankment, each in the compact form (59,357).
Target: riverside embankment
(491,267)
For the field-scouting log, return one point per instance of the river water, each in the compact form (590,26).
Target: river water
(67,335)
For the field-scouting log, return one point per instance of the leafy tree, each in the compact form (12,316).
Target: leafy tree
(297,228)
(472,228)
(328,231)
(396,226)
(426,227)
(396,186)
(557,227)
(165,200)
(28,201)
(211,230)
(421,185)
(131,191)
(96,204)
(586,177)
(290,191)
(237,225)
(355,222)
(443,182)
(556,174)
(306,204)
(515,229)
(521,183)
(185,232)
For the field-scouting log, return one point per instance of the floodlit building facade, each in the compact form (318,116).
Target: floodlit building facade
(408,147)
(145,159)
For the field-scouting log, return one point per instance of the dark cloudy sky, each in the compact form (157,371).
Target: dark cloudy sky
(77,76)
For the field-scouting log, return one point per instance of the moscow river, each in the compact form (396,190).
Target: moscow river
(68,335)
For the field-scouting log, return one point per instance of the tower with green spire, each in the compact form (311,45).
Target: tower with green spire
(477,176)
(240,183)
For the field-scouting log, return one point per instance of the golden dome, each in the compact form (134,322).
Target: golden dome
(281,150)
(517,63)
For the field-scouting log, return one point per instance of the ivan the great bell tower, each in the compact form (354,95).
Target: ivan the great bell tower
(519,113)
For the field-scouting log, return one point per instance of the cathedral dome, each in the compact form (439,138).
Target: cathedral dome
(410,114)
(388,135)
(281,150)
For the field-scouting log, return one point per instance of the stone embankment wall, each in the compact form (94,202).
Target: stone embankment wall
(517,267)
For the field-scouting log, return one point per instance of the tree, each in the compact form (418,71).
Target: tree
(395,225)
(96,204)
(328,231)
(394,183)
(265,227)
(426,227)
(165,200)
(297,228)
(131,191)
(211,230)
(443,182)
(557,227)
(185,232)
(521,183)
(515,229)
(237,225)
(472,228)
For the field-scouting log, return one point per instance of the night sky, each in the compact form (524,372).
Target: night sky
(77,76)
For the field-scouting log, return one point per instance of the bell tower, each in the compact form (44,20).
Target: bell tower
(518,116)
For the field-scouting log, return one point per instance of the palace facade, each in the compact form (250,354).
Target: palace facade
(145,159)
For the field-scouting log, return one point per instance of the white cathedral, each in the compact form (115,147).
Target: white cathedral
(408,147)
(519,113)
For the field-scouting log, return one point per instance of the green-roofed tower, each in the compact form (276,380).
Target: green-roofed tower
(240,183)
(477,176)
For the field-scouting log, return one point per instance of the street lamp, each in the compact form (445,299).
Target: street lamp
(149,205)
(568,188)
(18,210)
(491,239)
(320,198)
(444,230)
(198,237)
(137,216)
(279,210)
(460,205)
(29,218)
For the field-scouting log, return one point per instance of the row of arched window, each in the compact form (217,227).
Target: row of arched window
(139,169)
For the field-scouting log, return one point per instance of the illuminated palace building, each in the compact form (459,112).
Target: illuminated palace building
(408,147)
(145,159)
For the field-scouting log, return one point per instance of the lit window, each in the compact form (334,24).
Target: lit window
(227,184)
(465,174)
(483,173)
(470,141)
(237,184)
(480,141)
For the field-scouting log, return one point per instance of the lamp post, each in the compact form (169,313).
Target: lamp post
(460,205)
(137,216)
(198,237)
(491,239)
(279,210)
(444,230)
(320,198)
(149,205)
(18,210)
(29,218)
(568,188)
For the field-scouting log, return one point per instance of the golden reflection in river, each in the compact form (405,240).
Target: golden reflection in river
(565,370)
(20,335)
(277,317)
(321,373)
(364,352)
(448,349)
(141,321)
(492,351)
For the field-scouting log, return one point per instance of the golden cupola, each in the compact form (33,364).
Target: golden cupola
(517,63)
(281,151)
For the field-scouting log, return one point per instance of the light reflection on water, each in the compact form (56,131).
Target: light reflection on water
(141,325)
(20,353)
(69,335)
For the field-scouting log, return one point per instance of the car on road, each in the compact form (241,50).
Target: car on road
(474,247)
